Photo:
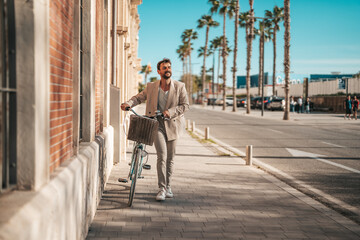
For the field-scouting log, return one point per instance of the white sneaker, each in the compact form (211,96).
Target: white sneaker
(169,193)
(161,194)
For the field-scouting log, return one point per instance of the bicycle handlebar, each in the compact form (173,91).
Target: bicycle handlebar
(157,114)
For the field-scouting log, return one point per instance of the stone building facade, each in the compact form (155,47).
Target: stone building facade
(66,66)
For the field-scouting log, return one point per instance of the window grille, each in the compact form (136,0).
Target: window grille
(7,96)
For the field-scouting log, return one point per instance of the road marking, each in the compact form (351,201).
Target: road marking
(299,182)
(298,153)
(335,145)
(275,131)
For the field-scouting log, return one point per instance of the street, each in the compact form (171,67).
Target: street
(320,150)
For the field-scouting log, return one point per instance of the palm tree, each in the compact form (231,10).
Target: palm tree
(287,58)
(245,22)
(216,44)
(264,33)
(276,16)
(187,36)
(146,69)
(201,53)
(237,8)
(182,52)
(224,7)
(206,20)
(249,52)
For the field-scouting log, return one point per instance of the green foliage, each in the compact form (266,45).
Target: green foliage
(141,87)
(357,75)
(153,79)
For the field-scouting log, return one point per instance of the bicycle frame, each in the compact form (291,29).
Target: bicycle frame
(133,159)
(136,164)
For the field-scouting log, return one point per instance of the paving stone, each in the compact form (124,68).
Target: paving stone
(216,197)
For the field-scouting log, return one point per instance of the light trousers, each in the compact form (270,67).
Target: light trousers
(165,151)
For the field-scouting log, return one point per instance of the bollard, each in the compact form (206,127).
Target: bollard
(193,127)
(188,124)
(207,133)
(249,155)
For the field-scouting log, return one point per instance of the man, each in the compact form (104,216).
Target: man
(355,105)
(347,105)
(300,104)
(170,98)
(307,105)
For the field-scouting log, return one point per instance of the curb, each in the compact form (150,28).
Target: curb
(278,178)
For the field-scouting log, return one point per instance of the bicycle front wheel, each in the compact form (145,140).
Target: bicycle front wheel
(134,176)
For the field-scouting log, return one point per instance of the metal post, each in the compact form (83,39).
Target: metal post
(249,155)
(213,75)
(188,124)
(193,127)
(262,72)
(207,133)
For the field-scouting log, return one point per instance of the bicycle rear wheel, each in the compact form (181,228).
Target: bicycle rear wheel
(134,176)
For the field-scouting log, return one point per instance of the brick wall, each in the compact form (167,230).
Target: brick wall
(99,77)
(61,83)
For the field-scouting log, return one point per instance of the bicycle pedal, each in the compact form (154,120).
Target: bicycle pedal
(147,166)
(140,177)
(124,180)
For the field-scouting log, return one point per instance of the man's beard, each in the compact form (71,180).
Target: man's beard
(165,75)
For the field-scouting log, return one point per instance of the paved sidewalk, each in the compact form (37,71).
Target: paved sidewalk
(216,197)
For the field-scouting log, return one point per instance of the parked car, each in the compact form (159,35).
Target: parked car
(277,103)
(254,102)
(241,102)
(228,101)
(267,102)
(211,101)
(219,101)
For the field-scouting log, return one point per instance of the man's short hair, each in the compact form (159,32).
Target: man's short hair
(165,60)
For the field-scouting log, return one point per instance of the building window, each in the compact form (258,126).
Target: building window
(7,96)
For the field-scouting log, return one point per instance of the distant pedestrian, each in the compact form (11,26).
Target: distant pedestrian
(355,107)
(307,105)
(300,104)
(292,104)
(347,106)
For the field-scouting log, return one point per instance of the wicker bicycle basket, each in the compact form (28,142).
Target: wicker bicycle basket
(142,129)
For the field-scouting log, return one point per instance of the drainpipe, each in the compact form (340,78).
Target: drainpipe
(114,36)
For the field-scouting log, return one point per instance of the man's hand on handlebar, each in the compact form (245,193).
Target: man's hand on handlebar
(125,107)
(166,114)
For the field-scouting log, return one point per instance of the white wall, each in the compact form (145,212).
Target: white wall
(65,207)
(315,88)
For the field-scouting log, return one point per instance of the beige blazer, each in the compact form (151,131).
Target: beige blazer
(177,103)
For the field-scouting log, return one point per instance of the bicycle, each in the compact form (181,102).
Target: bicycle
(141,131)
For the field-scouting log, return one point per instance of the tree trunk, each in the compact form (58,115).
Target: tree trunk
(274,64)
(204,65)
(248,62)
(235,54)
(218,74)
(186,77)
(287,58)
(224,63)
(190,78)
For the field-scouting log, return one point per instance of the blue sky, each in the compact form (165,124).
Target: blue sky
(325,35)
